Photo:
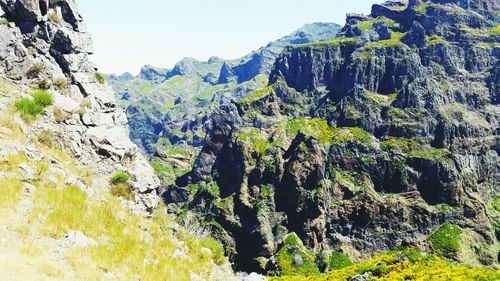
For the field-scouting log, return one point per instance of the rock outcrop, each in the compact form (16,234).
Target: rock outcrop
(366,143)
(44,43)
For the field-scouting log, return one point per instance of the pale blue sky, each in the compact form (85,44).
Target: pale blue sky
(130,33)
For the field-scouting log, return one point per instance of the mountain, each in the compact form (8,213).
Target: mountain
(167,109)
(78,200)
(383,137)
(192,87)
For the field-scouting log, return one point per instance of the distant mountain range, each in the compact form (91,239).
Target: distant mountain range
(169,105)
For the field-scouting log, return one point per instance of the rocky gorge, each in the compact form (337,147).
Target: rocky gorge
(381,138)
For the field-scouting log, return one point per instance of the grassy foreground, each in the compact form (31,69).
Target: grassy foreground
(60,221)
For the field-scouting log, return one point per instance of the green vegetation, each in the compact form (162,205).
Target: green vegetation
(438,154)
(216,249)
(294,259)
(28,106)
(122,190)
(4,21)
(422,9)
(322,131)
(60,115)
(100,78)
(120,177)
(36,105)
(257,139)
(433,39)
(414,147)
(54,16)
(403,265)
(337,41)
(338,260)
(120,187)
(495,203)
(446,240)
(395,40)
(364,25)
(492,31)
(257,95)
(10,189)
(42,98)
(46,137)
(380,98)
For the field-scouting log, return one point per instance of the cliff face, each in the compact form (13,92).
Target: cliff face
(367,142)
(45,43)
(76,195)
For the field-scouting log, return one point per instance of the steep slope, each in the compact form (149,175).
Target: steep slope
(383,137)
(74,190)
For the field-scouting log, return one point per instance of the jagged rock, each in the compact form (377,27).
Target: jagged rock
(399,10)
(22,10)
(226,74)
(66,41)
(149,72)
(100,137)
(175,194)
(415,36)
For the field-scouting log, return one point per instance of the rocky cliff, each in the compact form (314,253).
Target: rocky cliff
(383,137)
(45,43)
(78,200)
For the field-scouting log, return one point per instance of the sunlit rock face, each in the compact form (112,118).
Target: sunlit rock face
(47,41)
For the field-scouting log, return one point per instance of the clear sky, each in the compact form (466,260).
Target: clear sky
(130,33)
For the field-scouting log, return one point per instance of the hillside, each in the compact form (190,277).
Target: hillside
(384,137)
(78,201)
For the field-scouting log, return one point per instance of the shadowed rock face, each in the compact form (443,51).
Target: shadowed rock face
(404,138)
(50,37)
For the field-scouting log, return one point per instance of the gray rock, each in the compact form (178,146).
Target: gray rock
(28,188)
(144,177)
(77,239)
(361,277)
(175,194)
(254,277)
(416,35)
(65,103)
(28,172)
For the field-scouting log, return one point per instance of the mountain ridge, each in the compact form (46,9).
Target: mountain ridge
(368,142)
